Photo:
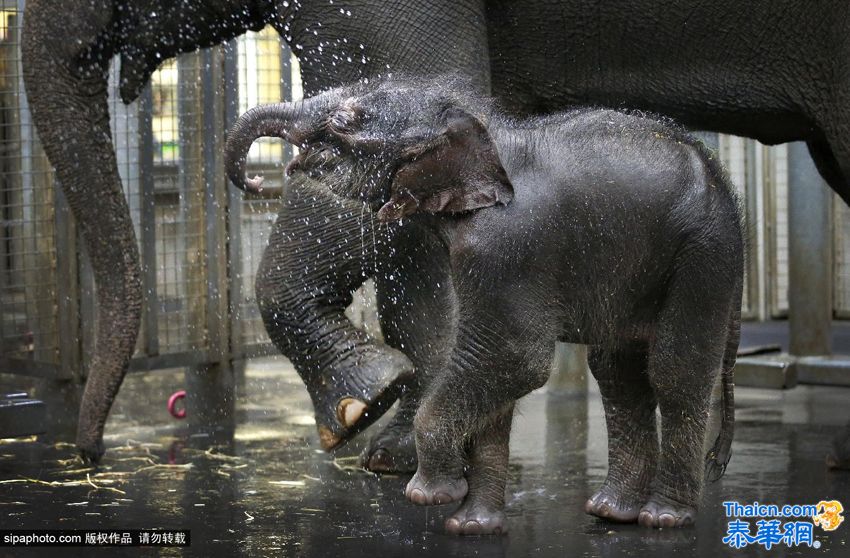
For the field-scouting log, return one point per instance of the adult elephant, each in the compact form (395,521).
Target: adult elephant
(750,69)
(66,53)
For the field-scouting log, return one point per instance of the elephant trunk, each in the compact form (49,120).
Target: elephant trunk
(280,120)
(70,111)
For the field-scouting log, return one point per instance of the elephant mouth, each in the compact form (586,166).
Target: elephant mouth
(325,163)
(313,160)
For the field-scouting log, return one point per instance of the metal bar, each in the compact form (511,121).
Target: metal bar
(751,221)
(26,206)
(215,208)
(286,88)
(67,292)
(569,369)
(187,109)
(183,359)
(147,215)
(86,308)
(255,350)
(772,239)
(810,255)
(234,203)
(26,367)
(211,385)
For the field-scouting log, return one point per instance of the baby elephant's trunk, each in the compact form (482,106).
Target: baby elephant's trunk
(280,120)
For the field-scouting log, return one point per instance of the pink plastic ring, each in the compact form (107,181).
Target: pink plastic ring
(172,401)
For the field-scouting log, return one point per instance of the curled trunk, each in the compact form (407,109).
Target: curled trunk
(276,120)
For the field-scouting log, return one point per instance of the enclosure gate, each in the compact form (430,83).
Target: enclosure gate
(200,241)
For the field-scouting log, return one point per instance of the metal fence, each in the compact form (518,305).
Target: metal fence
(841,239)
(761,174)
(201,242)
(29,222)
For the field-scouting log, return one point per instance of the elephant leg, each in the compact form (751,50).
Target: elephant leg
(632,436)
(827,165)
(417,316)
(68,100)
(685,357)
(320,250)
(393,448)
(503,351)
(830,150)
(482,510)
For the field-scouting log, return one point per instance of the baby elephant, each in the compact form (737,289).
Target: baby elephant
(593,226)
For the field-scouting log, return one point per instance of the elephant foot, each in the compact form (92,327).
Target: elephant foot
(393,449)
(477,519)
(435,491)
(614,505)
(91,448)
(662,512)
(348,400)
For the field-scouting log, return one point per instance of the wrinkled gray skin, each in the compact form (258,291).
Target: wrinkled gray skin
(594,227)
(762,77)
(67,47)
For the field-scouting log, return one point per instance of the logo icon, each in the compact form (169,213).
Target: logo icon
(829,515)
(773,527)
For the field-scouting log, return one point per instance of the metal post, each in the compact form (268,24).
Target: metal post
(67,299)
(230,79)
(810,255)
(569,369)
(215,206)
(234,201)
(150,316)
(751,220)
(211,387)
(286,88)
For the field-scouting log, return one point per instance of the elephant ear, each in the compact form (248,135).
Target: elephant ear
(457,171)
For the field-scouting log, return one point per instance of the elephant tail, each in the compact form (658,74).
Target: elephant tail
(719,455)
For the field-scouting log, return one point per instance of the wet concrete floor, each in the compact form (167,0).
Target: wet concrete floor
(270,491)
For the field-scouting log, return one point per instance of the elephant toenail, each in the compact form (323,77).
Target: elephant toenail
(327,438)
(417,497)
(472,527)
(442,498)
(349,410)
(381,460)
(666,520)
(605,510)
(645,519)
